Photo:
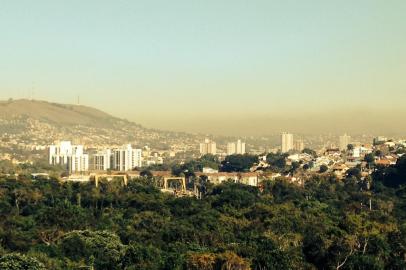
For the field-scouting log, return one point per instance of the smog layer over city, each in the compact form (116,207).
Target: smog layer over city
(213,135)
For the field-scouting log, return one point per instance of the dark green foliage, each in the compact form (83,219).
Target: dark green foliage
(190,167)
(393,176)
(323,169)
(310,152)
(321,225)
(354,172)
(15,261)
(238,163)
(139,256)
(102,249)
(369,158)
(277,161)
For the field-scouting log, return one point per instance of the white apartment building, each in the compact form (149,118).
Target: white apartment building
(299,145)
(360,151)
(287,142)
(126,158)
(101,160)
(137,158)
(231,149)
(345,140)
(70,156)
(208,147)
(236,148)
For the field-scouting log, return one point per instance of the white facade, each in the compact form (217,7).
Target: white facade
(240,147)
(360,151)
(102,160)
(299,145)
(137,158)
(208,147)
(345,140)
(236,148)
(80,163)
(126,158)
(231,149)
(287,142)
(70,156)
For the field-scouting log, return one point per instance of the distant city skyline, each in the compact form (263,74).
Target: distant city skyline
(220,67)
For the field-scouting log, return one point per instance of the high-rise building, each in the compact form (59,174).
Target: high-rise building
(240,147)
(137,158)
(208,147)
(287,142)
(236,148)
(126,158)
(231,148)
(345,140)
(101,160)
(299,145)
(70,156)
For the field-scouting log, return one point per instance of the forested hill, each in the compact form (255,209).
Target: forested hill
(325,224)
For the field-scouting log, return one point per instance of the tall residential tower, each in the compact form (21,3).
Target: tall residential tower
(208,147)
(287,142)
(345,140)
(236,148)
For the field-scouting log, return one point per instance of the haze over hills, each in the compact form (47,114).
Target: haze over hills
(366,121)
(57,114)
(45,122)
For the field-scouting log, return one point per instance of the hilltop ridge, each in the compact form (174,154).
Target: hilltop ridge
(43,122)
(56,114)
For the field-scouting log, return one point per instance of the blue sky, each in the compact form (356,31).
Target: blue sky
(173,64)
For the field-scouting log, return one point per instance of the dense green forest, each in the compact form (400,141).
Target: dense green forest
(325,224)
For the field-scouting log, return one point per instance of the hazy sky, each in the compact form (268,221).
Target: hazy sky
(206,65)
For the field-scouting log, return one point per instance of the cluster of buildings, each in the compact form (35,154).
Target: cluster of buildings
(71,156)
(338,160)
(288,144)
(74,159)
(233,148)
(351,154)
(236,148)
(208,147)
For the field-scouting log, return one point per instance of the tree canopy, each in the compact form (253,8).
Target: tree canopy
(324,224)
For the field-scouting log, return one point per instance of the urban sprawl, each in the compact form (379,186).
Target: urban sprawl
(84,164)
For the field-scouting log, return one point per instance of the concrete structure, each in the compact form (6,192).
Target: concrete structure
(287,142)
(231,149)
(380,140)
(299,145)
(70,156)
(109,177)
(345,140)
(126,158)
(240,147)
(101,160)
(250,178)
(236,148)
(174,184)
(360,151)
(208,147)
